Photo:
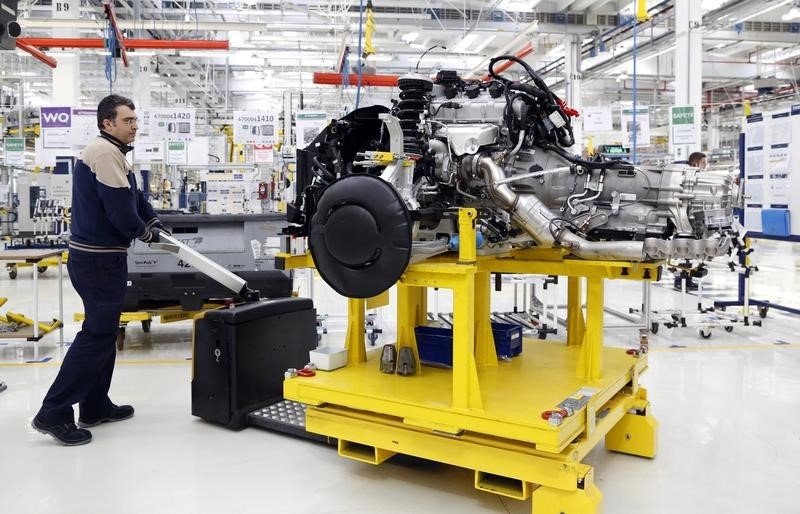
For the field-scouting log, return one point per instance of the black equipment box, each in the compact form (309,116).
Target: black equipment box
(240,356)
(192,290)
(244,244)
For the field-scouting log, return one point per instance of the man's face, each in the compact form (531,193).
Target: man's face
(124,126)
(703,164)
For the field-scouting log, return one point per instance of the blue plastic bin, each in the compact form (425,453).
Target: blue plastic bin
(435,344)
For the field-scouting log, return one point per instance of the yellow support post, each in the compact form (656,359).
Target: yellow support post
(576,326)
(467,250)
(411,312)
(485,352)
(466,389)
(3,300)
(354,342)
(590,363)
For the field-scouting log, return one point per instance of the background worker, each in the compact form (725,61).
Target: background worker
(108,212)
(697,160)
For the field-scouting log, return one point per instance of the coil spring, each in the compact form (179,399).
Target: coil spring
(412,105)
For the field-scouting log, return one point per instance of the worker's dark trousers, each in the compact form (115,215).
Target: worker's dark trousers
(85,375)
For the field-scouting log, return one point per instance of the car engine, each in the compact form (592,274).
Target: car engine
(380,188)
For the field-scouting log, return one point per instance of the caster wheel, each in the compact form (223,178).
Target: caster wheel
(12,273)
(762,311)
(121,338)
(146,323)
(705,334)
(729,329)
(41,269)
(542,335)
(654,328)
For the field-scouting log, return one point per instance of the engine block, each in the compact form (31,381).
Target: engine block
(382,187)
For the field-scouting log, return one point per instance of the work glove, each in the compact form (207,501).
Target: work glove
(151,236)
(160,227)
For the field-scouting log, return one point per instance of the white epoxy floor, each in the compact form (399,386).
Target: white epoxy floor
(728,407)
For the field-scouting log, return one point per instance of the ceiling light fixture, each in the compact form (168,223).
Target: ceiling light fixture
(464,43)
(762,11)
(793,13)
(409,37)
(518,5)
(710,5)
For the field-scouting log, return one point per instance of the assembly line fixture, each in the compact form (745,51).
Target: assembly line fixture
(523,425)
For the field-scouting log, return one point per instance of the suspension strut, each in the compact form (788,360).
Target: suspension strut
(413,105)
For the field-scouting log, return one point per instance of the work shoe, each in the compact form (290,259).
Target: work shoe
(118,413)
(65,433)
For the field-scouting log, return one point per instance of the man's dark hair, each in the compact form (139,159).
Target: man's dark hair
(696,157)
(107,108)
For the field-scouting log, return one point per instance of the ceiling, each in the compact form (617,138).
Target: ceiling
(276,46)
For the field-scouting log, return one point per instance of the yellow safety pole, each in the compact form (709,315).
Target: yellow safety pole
(354,341)
(576,326)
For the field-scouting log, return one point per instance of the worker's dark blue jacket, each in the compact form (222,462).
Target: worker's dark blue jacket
(108,210)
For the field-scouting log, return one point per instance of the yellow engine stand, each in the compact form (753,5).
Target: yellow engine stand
(483,414)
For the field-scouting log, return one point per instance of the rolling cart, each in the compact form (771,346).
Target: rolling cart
(241,353)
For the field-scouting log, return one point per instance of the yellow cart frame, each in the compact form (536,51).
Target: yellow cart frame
(483,414)
(165,315)
(13,267)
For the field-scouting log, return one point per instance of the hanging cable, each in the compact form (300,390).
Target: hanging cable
(369,31)
(416,70)
(360,35)
(111,61)
(635,135)
(345,68)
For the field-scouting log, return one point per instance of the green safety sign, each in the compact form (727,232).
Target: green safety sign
(14,151)
(683,115)
(14,144)
(684,129)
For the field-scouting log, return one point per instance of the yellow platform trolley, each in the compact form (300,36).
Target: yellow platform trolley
(523,425)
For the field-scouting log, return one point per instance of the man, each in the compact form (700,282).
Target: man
(108,212)
(698,160)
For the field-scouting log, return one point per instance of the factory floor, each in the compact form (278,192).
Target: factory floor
(728,407)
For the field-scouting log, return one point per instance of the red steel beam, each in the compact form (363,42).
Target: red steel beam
(120,40)
(37,53)
(335,79)
(141,44)
(521,53)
